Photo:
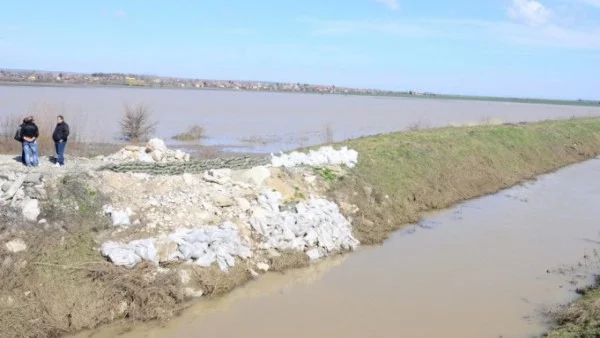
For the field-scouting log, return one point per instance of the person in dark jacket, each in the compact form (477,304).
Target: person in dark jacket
(19,138)
(30,134)
(60,137)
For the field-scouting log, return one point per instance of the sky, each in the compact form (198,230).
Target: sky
(520,48)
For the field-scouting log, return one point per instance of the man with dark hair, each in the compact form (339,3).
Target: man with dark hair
(30,134)
(60,136)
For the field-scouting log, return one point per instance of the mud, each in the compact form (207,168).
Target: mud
(490,267)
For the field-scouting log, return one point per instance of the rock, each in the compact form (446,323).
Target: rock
(122,309)
(348,208)
(263,266)
(42,221)
(185,277)
(310,179)
(146,158)
(179,155)
(313,254)
(8,176)
(189,179)
(7,301)
(31,210)
(191,293)
(219,176)
(166,249)
(19,195)
(16,245)
(156,144)
(223,201)
(118,217)
(132,148)
(158,155)
(16,185)
(6,186)
(33,178)
(141,176)
(186,158)
(256,175)
(243,203)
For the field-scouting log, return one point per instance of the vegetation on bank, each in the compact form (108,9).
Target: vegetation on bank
(61,284)
(400,175)
(582,317)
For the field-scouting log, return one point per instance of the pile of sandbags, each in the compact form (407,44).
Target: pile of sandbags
(324,156)
(315,226)
(154,152)
(203,246)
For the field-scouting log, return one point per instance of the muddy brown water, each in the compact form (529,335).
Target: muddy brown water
(263,122)
(490,267)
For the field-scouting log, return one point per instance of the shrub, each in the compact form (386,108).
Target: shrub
(137,122)
(194,133)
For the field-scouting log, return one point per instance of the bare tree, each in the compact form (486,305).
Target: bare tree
(137,123)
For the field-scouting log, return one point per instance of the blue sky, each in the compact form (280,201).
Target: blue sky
(525,48)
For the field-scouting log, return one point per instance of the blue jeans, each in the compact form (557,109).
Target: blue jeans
(60,152)
(31,153)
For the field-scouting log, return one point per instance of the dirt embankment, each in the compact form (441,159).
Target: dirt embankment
(53,279)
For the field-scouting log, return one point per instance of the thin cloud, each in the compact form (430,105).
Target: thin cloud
(116,14)
(119,13)
(365,27)
(391,4)
(595,3)
(529,12)
(548,35)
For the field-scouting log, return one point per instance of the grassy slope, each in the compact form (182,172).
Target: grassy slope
(434,169)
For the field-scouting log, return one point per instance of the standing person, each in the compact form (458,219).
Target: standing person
(60,136)
(30,134)
(19,138)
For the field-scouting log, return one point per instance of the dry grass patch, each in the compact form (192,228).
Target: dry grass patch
(288,260)
(214,282)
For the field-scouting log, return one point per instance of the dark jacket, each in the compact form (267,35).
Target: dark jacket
(18,136)
(61,132)
(29,130)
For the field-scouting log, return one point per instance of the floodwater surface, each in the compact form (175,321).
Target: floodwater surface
(263,122)
(490,267)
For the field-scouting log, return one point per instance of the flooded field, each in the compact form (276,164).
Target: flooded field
(264,122)
(490,267)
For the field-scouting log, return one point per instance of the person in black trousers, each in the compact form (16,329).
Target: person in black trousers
(60,136)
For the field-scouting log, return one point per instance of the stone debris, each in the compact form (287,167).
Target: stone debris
(324,156)
(256,176)
(30,209)
(316,227)
(13,188)
(118,217)
(154,152)
(15,246)
(204,246)
(218,176)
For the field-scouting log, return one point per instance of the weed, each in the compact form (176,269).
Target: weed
(327,174)
(194,133)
